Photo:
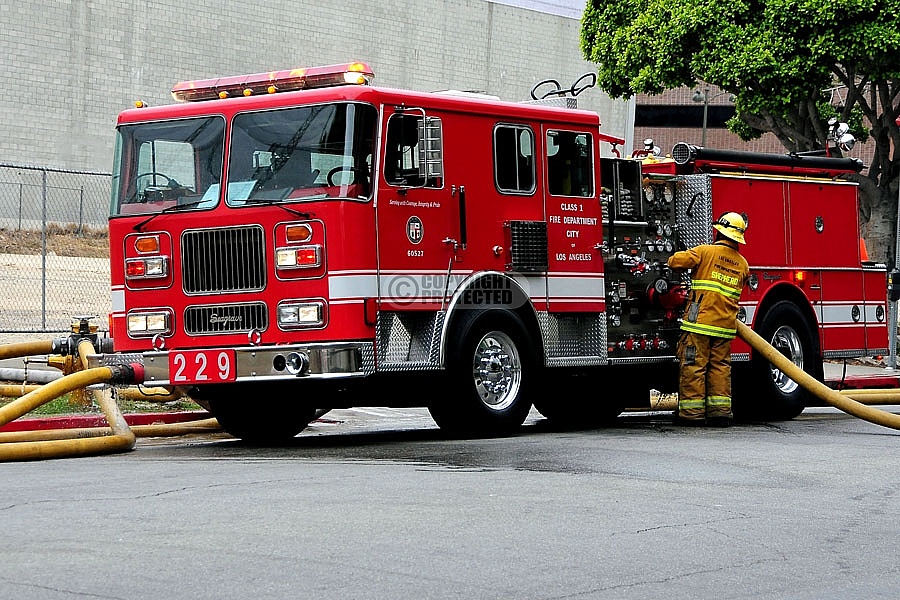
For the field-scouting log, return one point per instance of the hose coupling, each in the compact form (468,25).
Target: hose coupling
(127,374)
(69,345)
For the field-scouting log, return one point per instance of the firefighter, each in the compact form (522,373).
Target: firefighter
(718,273)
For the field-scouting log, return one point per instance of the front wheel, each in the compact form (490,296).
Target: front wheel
(490,375)
(765,392)
(258,415)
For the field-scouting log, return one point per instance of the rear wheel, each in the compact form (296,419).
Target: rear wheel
(242,413)
(766,393)
(490,377)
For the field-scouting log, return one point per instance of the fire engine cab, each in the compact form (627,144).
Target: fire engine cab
(300,240)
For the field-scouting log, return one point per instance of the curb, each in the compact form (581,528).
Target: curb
(863,382)
(98,420)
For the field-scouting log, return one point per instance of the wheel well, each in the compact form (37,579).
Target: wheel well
(492,291)
(789,293)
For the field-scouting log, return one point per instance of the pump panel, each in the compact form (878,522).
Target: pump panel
(641,230)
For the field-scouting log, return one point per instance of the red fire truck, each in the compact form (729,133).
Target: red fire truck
(300,240)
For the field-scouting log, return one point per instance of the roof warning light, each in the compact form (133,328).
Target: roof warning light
(355,73)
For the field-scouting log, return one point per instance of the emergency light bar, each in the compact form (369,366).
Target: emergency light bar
(355,73)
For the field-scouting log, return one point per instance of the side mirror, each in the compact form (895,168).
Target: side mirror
(894,286)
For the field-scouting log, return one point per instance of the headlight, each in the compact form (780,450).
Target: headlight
(149,323)
(301,314)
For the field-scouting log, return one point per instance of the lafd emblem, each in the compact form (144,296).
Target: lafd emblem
(414,230)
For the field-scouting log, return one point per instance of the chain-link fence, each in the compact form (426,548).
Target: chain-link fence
(54,252)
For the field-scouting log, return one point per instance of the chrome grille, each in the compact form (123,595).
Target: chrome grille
(231,259)
(225,318)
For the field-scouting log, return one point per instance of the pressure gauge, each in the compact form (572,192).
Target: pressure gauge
(614,297)
(669,246)
(648,193)
(667,229)
(668,193)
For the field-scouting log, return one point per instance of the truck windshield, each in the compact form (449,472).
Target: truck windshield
(167,164)
(302,153)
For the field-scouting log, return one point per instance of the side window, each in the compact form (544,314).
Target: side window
(413,155)
(570,163)
(514,159)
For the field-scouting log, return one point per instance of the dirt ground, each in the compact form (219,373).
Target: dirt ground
(78,281)
(61,241)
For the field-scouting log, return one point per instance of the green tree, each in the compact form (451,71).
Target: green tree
(779,58)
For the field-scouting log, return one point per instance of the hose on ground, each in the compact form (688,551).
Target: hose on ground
(120,438)
(60,443)
(836,399)
(157,395)
(874,396)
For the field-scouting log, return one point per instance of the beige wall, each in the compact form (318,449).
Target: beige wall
(69,67)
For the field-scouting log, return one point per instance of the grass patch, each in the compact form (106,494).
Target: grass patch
(73,404)
(61,240)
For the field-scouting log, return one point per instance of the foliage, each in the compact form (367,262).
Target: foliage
(781,59)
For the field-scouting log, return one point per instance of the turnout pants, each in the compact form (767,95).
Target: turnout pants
(704,388)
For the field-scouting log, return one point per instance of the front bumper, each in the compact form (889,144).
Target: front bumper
(266,363)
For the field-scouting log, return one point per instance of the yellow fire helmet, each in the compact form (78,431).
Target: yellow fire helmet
(732,225)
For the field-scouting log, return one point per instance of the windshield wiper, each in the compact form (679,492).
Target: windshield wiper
(173,208)
(293,211)
(280,204)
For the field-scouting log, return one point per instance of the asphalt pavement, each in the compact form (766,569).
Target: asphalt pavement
(382,505)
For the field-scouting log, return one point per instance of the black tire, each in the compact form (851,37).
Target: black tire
(762,392)
(241,412)
(490,377)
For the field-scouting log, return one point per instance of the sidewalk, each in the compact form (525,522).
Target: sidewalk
(867,373)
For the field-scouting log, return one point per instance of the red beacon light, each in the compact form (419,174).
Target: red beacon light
(355,73)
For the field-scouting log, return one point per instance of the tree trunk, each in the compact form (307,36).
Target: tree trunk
(881,229)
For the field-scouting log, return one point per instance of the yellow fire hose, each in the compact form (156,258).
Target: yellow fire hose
(59,443)
(119,437)
(25,349)
(155,394)
(836,399)
(122,438)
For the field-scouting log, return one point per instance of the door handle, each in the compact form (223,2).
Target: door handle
(463,233)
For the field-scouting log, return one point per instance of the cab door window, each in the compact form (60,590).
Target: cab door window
(514,159)
(414,150)
(570,164)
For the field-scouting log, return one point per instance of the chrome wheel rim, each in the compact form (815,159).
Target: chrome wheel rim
(787,342)
(497,371)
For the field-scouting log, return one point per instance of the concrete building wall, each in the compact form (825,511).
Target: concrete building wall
(69,66)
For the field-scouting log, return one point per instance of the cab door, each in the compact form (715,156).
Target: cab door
(417,226)
(574,234)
